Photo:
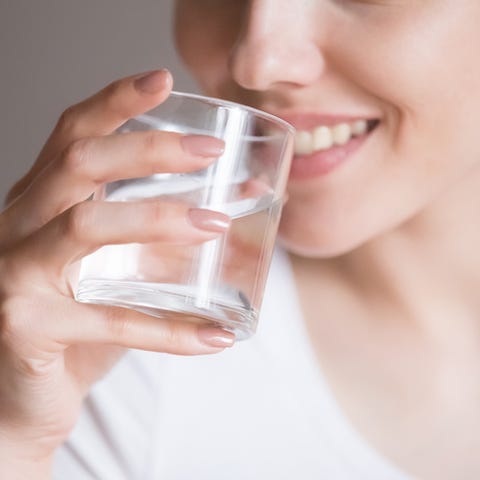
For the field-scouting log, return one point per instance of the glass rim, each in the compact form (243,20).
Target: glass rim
(219,102)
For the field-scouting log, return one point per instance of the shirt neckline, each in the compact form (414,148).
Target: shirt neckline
(362,455)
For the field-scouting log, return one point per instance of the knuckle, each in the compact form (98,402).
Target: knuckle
(16,315)
(68,120)
(156,213)
(34,367)
(16,190)
(16,331)
(117,323)
(75,157)
(152,143)
(78,221)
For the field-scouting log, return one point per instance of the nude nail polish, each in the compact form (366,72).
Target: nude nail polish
(202,145)
(209,220)
(152,82)
(216,337)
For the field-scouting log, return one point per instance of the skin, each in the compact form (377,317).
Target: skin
(390,261)
(386,247)
(52,348)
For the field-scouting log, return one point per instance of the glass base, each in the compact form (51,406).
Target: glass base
(230,310)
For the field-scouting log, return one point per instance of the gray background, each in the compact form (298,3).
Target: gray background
(54,53)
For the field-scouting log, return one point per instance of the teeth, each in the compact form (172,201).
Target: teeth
(303,143)
(359,127)
(341,134)
(323,137)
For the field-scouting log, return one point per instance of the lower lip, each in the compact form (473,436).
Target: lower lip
(323,162)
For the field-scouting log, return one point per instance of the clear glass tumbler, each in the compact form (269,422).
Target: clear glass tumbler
(219,281)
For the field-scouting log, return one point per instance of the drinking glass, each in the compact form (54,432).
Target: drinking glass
(220,281)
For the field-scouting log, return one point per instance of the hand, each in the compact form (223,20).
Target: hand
(51,347)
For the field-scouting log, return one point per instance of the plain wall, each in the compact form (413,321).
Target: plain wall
(54,53)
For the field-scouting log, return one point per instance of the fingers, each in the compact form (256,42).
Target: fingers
(101,114)
(131,329)
(90,162)
(71,323)
(89,225)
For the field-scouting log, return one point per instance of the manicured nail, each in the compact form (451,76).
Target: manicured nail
(152,82)
(209,220)
(203,145)
(216,337)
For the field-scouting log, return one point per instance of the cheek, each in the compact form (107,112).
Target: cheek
(422,65)
(408,167)
(204,38)
(426,83)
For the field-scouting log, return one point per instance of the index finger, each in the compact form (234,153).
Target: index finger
(101,114)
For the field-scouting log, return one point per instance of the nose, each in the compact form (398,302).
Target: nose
(276,46)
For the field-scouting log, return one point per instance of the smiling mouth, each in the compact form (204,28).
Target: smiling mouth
(325,137)
(329,143)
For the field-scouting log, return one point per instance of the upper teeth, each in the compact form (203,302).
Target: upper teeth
(322,137)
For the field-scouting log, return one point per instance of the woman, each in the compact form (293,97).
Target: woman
(378,376)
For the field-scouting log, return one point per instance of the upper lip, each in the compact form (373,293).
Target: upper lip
(310,120)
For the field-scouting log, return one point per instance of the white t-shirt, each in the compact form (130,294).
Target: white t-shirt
(261,410)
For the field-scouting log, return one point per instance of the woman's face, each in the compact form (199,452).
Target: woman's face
(409,67)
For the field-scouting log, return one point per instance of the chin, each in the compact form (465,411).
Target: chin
(317,246)
(318,233)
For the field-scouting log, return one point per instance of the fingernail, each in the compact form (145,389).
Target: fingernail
(202,145)
(152,82)
(209,220)
(216,337)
